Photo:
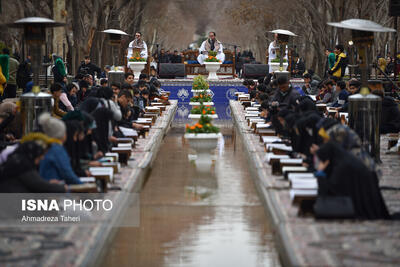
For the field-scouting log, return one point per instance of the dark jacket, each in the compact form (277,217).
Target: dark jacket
(390,117)
(164,58)
(90,69)
(176,59)
(289,98)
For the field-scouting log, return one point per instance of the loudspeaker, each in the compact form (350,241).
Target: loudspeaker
(394,8)
(255,71)
(171,70)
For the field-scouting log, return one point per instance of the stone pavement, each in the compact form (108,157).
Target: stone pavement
(84,245)
(304,241)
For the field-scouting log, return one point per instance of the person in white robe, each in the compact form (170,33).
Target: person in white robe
(273,49)
(138,43)
(211,44)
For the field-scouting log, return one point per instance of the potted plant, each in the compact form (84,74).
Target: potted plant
(203,138)
(201,99)
(275,64)
(200,85)
(212,65)
(136,63)
(198,111)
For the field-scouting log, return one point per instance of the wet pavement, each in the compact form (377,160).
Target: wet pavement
(193,219)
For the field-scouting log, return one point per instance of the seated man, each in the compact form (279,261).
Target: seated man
(211,44)
(129,114)
(311,86)
(129,78)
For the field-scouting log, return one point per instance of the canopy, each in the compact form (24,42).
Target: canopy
(361,25)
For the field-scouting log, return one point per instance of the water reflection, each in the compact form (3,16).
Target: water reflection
(194,219)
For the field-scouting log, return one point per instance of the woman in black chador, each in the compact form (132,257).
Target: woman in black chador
(342,174)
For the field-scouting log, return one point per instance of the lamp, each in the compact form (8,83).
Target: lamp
(283,40)
(35,36)
(364,108)
(115,41)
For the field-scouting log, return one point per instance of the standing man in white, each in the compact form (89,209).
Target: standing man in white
(138,43)
(211,44)
(272,50)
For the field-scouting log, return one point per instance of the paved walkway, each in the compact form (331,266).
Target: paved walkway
(307,242)
(84,245)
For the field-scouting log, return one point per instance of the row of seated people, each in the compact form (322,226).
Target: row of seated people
(73,142)
(321,145)
(332,94)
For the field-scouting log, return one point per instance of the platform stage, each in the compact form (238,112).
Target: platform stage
(223,91)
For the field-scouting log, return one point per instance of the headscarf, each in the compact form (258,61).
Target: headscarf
(60,66)
(73,115)
(347,176)
(350,141)
(22,159)
(39,138)
(90,104)
(7,107)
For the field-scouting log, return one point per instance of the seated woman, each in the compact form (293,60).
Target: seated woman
(56,163)
(332,130)
(390,116)
(19,173)
(8,112)
(342,174)
(68,98)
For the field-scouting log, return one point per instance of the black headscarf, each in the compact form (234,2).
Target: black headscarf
(348,176)
(22,159)
(305,104)
(89,104)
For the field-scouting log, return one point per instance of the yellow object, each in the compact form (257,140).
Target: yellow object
(364,90)
(40,137)
(338,71)
(36,89)
(382,64)
(323,134)
(3,80)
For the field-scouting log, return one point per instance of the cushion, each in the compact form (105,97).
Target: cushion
(192,62)
(228,62)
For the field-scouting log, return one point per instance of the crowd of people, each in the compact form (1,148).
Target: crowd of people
(84,125)
(329,148)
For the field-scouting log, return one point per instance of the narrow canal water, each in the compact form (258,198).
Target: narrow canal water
(193,219)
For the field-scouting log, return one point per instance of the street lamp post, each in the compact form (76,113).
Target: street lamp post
(34,103)
(35,37)
(364,108)
(115,41)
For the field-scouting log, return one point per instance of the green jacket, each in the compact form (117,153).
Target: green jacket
(331,60)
